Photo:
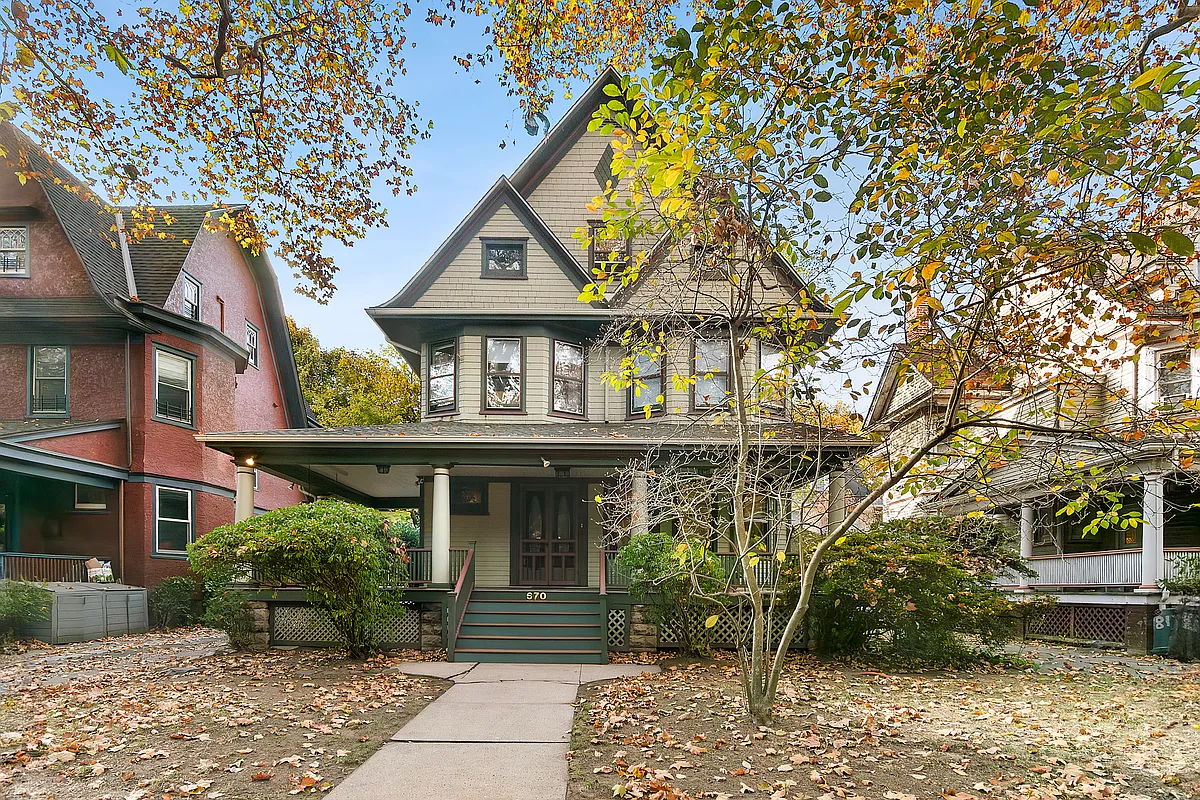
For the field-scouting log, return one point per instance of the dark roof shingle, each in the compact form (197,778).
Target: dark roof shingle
(158,255)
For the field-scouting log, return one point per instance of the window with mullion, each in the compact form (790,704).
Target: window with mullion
(191,297)
(252,344)
(173,528)
(1174,376)
(502,381)
(711,361)
(569,373)
(443,369)
(647,386)
(606,254)
(48,380)
(14,251)
(776,375)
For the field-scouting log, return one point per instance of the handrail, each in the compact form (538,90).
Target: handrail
(458,605)
(458,585)
(603,573)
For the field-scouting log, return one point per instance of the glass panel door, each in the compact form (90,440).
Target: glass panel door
(563,539)
(550,520)
(533,538)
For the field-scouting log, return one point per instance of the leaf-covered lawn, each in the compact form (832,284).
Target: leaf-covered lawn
(162,716)
(1103,731)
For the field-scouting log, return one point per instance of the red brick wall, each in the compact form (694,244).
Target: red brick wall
(104,446)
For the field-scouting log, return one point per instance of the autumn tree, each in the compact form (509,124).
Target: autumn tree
(1016,179)
(344,386)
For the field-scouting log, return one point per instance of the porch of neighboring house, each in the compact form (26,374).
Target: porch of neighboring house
(1107,581)
(56,513)
(512,563)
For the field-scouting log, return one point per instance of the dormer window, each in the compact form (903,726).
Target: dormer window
(504,258)
(191,297)
(14,251)
(443,366)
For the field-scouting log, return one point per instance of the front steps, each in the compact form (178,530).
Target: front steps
(505,625)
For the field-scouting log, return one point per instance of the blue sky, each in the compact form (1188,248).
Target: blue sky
(453,169)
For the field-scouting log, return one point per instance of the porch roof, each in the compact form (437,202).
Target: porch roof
(344,460)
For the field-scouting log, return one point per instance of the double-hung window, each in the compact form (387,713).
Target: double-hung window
(775,380)
(568,378)
(174,387)
(252,343)
(48,380)
(647,386)
(191,297)
(502,383)
(606,254)
(443,369)
(711,389)
(14,251)
(1174,376)
(173,526)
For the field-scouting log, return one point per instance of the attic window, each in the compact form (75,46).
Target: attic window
(14,251)
(604,173)
(504,258)
(191,297)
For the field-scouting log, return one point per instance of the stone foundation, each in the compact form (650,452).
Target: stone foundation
(643,634)
(431,626)
(260,638)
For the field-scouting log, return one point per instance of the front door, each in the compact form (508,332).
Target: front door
(549,544)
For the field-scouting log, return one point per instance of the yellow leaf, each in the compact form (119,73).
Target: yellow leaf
(24,55)
(711,622)
(1016,180)
(780,557)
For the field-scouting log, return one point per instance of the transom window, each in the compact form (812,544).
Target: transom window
(252,343)
(503,379)
(90,498)
(568,378)
(443,368)
(173,387)
(712,373)
(173,528)
(647,388)
(1174,376)
(503,258)
(48,384)
(191,297)
(14,250)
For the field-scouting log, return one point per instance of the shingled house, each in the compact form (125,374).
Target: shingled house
(114,354)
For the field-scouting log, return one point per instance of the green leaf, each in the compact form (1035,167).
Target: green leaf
(117,57)
(1150,100)
(1178,242)
(1142,243)
(1121,104)
(822,197)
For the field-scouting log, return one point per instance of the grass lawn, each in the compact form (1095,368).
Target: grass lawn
(163,720)
(1093,731)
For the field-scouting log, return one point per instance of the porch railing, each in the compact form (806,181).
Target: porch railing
(457,602)
(616,577)
(42,568)
(420,563)
(1110,568)
(1177,559)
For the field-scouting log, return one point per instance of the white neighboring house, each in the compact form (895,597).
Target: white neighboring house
(1107,582)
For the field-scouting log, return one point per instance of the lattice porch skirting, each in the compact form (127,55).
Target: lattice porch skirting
(1107,624)
(302,625)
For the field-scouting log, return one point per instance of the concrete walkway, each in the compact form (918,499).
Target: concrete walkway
(499,733)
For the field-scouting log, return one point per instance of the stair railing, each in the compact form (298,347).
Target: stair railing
(457,602)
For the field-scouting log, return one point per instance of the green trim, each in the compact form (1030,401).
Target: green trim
(487,241)
(191,534)
(429,348)
(26,460)
(157,347)
(523,376)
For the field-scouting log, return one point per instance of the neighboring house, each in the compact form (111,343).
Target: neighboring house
(113,355)
(1106,580)
(518,432)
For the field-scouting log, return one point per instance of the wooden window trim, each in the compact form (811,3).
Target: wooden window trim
(632,412)
(33,379)
(1159,357)
(582,381)
(26,272)
(485,274)
(780,404)
(158,518)
(593,224)
(696,407)
(185,281)
(192,385)
(483,394)
(453,407)
(256,353)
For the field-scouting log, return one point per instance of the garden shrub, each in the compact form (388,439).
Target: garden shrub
(228,610)
(914,590)
(21,605)
(339,552)
(175,603)
(1187,579)
(660,570)
(404,528)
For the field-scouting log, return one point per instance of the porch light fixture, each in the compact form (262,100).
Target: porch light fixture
(383,469)
(250,462)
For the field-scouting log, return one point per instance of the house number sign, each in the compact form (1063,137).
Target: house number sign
(535,596)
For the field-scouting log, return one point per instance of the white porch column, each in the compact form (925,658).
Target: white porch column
(243,502)
(440,529)
(835,508)
(640,512)
(1152,533)
(1027,523)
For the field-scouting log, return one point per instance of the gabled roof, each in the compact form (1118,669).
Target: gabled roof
(502,193)
(539,163)
(880,410)
(156,261)
(85,217)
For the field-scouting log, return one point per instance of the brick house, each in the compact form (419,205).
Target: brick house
(113,355)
